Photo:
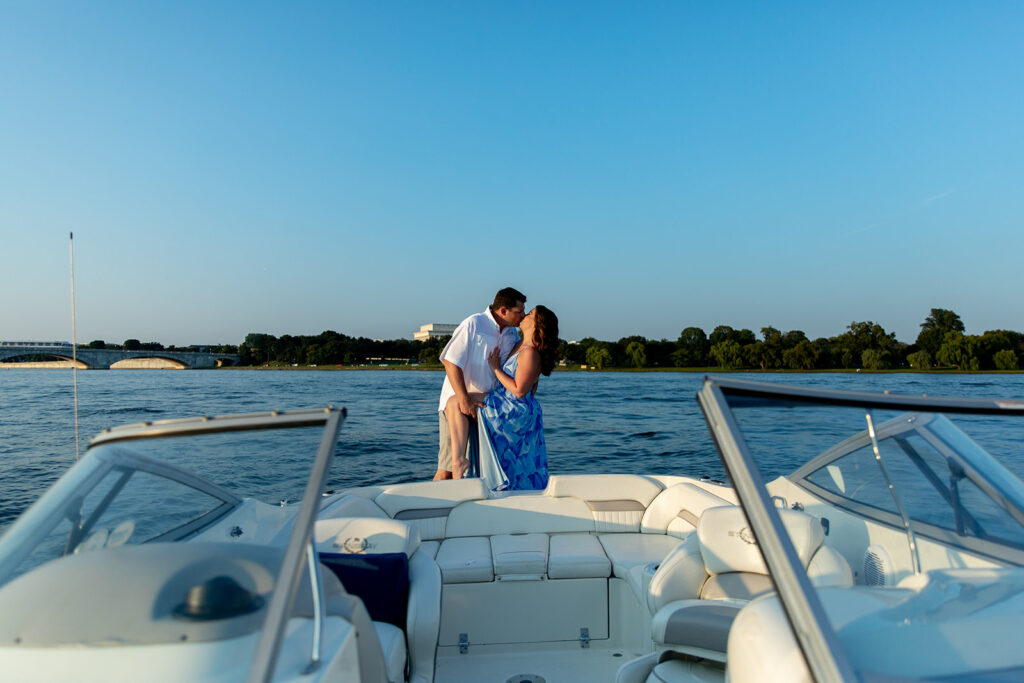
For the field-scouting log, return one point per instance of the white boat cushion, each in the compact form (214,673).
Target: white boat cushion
(617,501)
(392,642)
(429,548)
(365,535)
(629,550)
(700,625)
(519,514)
(677,509)
(577,556)
(728,545)
(426,505)
(828,567)
(680,576)
(520,555)
(465,560)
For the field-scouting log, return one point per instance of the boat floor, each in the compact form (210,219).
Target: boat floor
(595,664)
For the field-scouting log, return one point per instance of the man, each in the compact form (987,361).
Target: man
(466,368)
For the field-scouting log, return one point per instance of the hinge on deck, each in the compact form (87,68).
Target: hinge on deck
(584,638)
(463,643)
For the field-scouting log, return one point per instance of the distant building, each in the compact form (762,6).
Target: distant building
(433,330)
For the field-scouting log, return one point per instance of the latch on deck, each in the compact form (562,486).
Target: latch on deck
(584,638)
(463,643)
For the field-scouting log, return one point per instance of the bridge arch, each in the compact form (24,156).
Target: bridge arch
(154,362)
(56,360)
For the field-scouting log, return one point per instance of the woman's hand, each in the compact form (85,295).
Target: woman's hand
(494,360)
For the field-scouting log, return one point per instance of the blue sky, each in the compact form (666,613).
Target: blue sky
(638,167)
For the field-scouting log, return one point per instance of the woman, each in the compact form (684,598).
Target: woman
(511,414)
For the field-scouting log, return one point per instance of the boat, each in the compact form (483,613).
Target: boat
(861,537)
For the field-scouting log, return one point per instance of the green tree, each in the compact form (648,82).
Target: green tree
(97,344)
(598,355)
(939,322)
(692,348)
(728,354)
(874,359)
(960,351)
(920,360)
(132,345)
(803,356)
(635,354)
(1005,360)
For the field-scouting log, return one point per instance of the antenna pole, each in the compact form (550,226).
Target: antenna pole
(74,339)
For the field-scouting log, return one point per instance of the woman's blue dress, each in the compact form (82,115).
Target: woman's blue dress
(515,429)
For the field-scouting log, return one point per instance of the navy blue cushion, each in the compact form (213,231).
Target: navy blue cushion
(381,580)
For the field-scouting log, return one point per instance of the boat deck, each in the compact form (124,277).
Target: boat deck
(593,665)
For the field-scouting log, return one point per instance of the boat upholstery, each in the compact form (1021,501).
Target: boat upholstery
(676,510)
(577,556)
(519,556)
(365,535)
(616,501)
(519,514)
(465,560)
(426,505)
(392,643)
(701,586)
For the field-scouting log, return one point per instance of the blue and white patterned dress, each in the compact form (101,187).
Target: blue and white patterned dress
(515,429)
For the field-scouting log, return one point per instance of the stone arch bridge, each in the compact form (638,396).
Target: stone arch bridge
(103,359)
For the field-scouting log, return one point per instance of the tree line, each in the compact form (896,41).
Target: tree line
(940,343)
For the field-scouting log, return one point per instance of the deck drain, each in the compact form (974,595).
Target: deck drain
(526,678)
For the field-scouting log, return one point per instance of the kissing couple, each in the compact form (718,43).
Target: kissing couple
(492,366)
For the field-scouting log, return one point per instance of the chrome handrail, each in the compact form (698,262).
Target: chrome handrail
(318,608)
(287,584)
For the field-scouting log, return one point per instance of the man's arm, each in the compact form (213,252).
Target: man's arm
(458,381)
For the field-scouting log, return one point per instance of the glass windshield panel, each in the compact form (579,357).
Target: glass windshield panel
(269,465)
(919,453)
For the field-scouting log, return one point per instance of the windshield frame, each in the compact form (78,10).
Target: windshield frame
(825,657)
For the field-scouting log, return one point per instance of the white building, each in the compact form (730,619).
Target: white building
(433,330)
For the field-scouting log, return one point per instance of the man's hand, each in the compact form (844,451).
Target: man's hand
(468,405)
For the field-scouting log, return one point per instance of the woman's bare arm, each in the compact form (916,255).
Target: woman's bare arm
(527,372)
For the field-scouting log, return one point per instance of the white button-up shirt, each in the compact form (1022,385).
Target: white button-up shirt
(469,347)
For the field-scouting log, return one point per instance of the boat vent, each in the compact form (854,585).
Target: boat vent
(877,567)
(525,678)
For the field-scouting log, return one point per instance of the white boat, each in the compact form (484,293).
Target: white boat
(892,552)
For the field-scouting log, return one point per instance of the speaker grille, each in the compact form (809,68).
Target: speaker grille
(877,567)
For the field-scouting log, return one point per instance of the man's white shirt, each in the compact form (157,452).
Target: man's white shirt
(469,347)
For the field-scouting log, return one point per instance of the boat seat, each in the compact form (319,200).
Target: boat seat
(700,587)
(519,556)
(465,560)
(426,505)
(392,644)
(370,556)
(630,552)
(616,501)
(577,556)
(677,509)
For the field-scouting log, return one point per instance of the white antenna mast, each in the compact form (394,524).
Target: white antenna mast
(74,339)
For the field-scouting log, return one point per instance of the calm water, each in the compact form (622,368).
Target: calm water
(600,422)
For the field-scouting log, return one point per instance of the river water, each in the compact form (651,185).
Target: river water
(594,422)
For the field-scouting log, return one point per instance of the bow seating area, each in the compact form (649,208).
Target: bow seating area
(593,559)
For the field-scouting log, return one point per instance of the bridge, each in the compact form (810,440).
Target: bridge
(103,359)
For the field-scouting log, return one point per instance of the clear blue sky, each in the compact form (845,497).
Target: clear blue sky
(369,167)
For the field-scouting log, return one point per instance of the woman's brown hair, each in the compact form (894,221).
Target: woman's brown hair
(545,336)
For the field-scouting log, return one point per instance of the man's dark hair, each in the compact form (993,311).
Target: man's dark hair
(508,298)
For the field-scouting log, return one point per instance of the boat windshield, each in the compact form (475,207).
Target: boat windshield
(943,474)
(167,482)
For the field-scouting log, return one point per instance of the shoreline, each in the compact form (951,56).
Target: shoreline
(701,370)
